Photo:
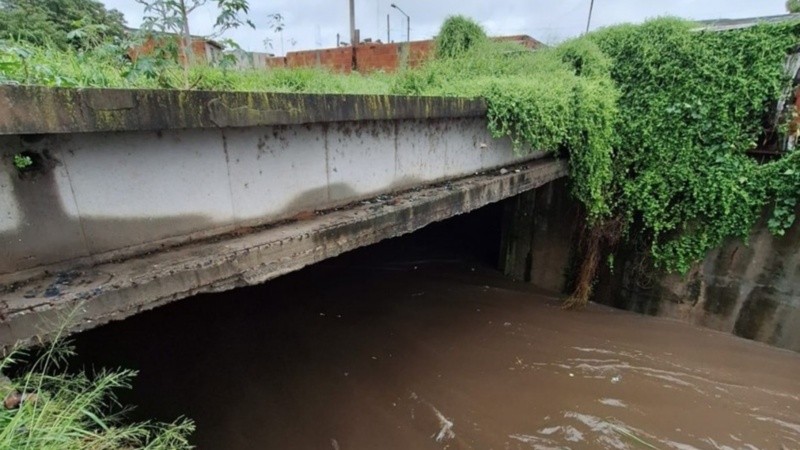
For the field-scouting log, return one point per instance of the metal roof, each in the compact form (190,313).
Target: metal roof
(734,24)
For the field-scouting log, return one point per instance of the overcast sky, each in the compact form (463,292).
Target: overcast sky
(315,23)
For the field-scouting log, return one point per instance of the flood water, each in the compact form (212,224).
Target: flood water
(419,343)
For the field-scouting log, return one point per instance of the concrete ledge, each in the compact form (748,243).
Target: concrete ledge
(80,300)
(42,110)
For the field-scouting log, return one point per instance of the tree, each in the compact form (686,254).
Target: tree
(276,24)
(172,16)
(793,6)
(457,35)
(60,22)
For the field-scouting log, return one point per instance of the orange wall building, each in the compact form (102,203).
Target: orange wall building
(374,56)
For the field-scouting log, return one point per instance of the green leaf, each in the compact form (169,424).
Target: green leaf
(95,419)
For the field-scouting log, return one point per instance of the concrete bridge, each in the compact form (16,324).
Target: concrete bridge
(138,198)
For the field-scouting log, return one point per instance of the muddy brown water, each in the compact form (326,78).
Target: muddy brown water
(427,349)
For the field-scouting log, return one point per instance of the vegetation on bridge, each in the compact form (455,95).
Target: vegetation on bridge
(657,120)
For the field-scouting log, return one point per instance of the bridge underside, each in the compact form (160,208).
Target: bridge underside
(75,300)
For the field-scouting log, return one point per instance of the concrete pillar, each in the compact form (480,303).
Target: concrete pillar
(517,236)
(537,236)
(554,235)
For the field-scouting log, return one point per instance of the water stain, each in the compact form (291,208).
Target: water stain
(757,312)
(50,231)
(721,300)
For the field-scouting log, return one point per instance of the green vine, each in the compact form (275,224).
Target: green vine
(657,120)
(457,35)
(691,105)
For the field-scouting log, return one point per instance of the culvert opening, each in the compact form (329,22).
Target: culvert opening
(194,355)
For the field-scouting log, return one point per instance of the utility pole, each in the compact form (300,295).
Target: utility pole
(589,22)
(353,23)
(388,31)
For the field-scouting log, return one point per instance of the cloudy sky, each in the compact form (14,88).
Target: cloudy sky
(315,23)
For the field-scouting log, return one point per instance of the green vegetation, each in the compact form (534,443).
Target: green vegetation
(457,35)
(48,408)
(793,6)
(62,23)
(22,162)
(656,119)
(171,18)
(691,105)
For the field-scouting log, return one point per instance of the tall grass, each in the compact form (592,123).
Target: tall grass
(305,80)
(467,73)
(49,408)
(107,66)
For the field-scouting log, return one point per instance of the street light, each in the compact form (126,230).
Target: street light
(408,22)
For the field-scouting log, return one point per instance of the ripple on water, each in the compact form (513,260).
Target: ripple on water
(613,402)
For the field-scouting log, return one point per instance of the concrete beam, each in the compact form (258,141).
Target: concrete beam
(79,300)
(516,244)
(95,197)
(42,110)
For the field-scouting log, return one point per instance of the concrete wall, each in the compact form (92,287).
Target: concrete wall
(203,50)
(752,290)
(538,235)
(376,56)
(368,57)
(252,60)
(336,59)
(95,195)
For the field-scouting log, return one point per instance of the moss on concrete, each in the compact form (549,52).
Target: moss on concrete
(37,110)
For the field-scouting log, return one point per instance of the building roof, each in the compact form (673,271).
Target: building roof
(734,24)
(522,39)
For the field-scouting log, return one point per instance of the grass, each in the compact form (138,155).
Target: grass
(106,67)
(48,408)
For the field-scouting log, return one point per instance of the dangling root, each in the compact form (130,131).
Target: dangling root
(592,241)
(583,286)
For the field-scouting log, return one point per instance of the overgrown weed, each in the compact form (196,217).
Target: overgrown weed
(47,407)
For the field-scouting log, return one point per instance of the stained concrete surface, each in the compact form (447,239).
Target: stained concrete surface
(118,289)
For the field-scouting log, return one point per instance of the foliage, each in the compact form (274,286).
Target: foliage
(22,63)
(558,99)
(275,22)
(63,23)
(22,162)
(164,20)
(52,409)
(793,6)
(782,186)
(457,35)
(691,105)
(172,16)
(107,67)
